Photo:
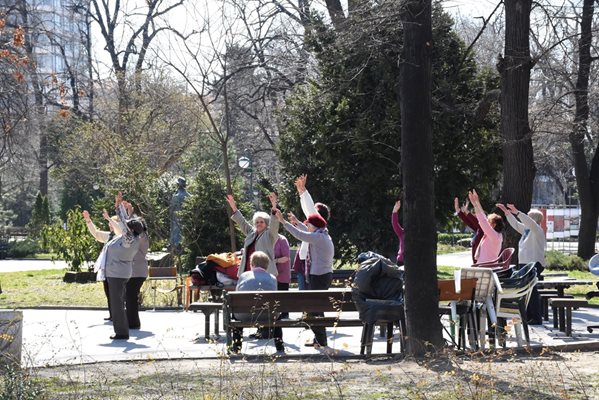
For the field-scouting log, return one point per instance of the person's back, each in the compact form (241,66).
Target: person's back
(257,279)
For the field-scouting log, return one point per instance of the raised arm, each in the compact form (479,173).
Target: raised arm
(100,236)
(306,201)
(509,215)
(480,214)
(397,228)
(526,220)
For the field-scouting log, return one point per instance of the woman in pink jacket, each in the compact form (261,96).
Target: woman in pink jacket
(492,226)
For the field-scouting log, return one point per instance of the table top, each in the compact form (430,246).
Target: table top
(563,281)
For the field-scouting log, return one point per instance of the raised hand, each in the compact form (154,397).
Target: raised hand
(278,214)
(231,202)
(273,199)
(118,199)
(86,216)
(513,208)
(502,208)
(397,206)
(105,215)
(456,205)
(128,207)
(300,183)
(473,196)
(292,218)
(465,206)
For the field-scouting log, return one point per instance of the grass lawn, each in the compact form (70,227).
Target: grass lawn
(46,288)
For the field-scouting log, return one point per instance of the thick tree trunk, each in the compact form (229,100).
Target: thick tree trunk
(586,181)
(514,68)
(421,296)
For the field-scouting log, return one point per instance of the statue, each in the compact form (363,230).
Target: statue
(174,208)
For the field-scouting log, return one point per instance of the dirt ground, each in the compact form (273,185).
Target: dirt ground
(548,375)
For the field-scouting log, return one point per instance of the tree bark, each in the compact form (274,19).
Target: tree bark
(514,68)
(421,296)
(587,180)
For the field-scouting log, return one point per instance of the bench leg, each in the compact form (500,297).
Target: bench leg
(562,318)
(207,324)
(216,323)
(555,317)
(389,337)
(363,339)
(568,321)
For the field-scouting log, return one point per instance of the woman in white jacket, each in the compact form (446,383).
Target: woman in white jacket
(531,248)
(103,237)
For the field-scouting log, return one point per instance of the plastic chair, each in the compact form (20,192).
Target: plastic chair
(500,263)
(486,284)
(460,295)
(594,268)
(512,299)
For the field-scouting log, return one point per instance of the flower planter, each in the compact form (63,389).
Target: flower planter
(11,337)
(79,277)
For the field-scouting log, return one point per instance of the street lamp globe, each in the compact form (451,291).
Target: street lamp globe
(244,162)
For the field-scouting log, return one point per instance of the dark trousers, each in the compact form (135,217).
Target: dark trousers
(320,282)
(117,288)
(534,311)
(132,301)
(107,293)
(276,333)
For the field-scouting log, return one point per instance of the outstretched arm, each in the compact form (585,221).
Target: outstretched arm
(100,236)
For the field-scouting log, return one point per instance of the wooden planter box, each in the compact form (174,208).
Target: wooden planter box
(79,277)
(162,272)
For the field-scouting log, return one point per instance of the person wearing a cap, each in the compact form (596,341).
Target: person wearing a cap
(319,259)
(308,208)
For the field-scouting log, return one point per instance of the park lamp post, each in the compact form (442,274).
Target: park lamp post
(246,164)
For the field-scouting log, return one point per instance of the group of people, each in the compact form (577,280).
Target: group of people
(488,239)
(265,261)
(122,265)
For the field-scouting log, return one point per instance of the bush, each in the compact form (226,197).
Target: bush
(452,238)
(72,243)
(560,261)
(22,248)
(17,384)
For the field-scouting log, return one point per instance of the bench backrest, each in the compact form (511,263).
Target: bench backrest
(290,301)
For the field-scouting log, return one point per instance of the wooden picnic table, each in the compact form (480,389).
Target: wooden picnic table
(562,283)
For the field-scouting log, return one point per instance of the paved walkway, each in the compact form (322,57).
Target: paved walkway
(57,337)
(10,265)
(75,336)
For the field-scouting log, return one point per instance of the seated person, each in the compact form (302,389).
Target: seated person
(257,279)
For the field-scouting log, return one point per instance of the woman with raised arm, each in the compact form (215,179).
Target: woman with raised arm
(308,208)
(398,229)
(261,235)
(531,248)
(118,267)
(139,272)
(103,237)
(319,259)
(492,226)
(471,222)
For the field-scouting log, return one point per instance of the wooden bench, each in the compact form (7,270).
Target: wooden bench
(340,276)
(271,303)
(557,305)
(208,308)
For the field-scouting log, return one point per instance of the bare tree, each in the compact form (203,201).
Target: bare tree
(128,34)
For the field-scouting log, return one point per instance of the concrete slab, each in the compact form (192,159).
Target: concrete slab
(59,337)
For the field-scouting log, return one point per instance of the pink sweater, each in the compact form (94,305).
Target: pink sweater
(490,245)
